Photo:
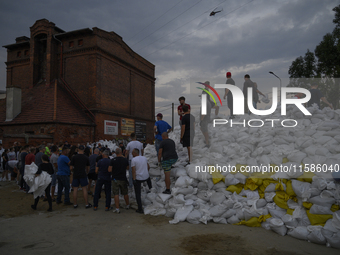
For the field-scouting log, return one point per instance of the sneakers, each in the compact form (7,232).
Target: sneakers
(116,211)
(127,207)
(75,206)
(140,211)
(95,208)
(167,192)
(88,206)
(108,208)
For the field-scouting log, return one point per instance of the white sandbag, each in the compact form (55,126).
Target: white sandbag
(194,217)
(220,185)
(185,191)
(265,225)
(181,214)
(179,199)
(277,212)
(318,209)
(205,216)
(269,196)
(233,220)
(332,238)
(150,208)
(170,212)
(289,221)
(205,194)
(181,172)
(319,183)
(316,236)
(336,220)
(240,214)
(158,211)
(202,185)
(299,232)
(217,198)
(242,178)
(164,197)
(231,180)
(261,203)
(220,220)
(301,189)
(278,226)
(183,181)
(296,156)
(325,202)
(250,213)
(228,213)
(329,226)
(217,210)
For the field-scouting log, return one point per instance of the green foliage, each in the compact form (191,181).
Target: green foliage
(324,63)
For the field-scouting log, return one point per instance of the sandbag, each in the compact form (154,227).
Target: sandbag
(194,217)
(299,232)
(217,198)
(316,236)
(181,214)
(278,226)
(318,209)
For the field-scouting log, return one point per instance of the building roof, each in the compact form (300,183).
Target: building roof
(37,106)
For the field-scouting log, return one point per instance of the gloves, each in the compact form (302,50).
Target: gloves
(134,182)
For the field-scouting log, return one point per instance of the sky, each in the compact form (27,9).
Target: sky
(186,44)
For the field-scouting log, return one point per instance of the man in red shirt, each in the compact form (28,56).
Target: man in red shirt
(30,157)
(180,109)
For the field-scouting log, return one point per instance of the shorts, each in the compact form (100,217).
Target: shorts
(80,181)
(166,164)
(119,185)
(188,141)
(204,126)
(92,176)
(54,180)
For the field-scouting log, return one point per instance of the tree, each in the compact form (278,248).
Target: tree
(322,66)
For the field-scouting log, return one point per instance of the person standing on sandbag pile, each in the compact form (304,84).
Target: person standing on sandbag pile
(134,144)
(180,109)
(229,95)
(247,84)
(140,173)
(204,121)
(256,95)
(188,131)
(167,156)
(47,167)
(118,167)
(160,127)
(80,165)
(316,96)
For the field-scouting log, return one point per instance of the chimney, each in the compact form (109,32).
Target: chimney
(13,103)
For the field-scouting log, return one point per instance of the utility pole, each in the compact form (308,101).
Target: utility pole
(173,109)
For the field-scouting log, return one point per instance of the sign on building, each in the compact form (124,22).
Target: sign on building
(127,126)
(140,130)
(110,127)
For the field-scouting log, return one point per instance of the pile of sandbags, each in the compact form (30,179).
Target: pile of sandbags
(302,204)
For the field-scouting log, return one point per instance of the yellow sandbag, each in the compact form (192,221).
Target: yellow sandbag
(307,205)
(252,183)
(217,177)
(334,208)
(235,188)
(290,211)
(285,160)
(306,177)
(279,187)
(318,219)
(261,188)
(289,189)
(238,169)
(261,193)
(281,199)
(253,222)
(264,217)
(266,182)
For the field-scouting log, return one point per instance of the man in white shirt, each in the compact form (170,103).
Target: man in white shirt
(134,144)
(140,174)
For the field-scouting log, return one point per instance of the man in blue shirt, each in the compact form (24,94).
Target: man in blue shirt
(63,176)
(160,127)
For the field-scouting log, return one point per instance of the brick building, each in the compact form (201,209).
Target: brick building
(70,86)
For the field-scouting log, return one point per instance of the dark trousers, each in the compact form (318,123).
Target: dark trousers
(230,105)
(138,188)
(63,182)
(23,184)
(48,196)
(98,190)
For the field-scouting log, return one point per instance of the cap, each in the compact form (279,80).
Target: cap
(228,74)
(160,115)
(81,147)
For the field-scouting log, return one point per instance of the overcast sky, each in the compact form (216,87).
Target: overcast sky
(183,41)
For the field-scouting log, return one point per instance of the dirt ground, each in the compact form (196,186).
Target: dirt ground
(68,231)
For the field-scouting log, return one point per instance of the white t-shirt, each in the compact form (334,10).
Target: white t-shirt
(134,145)
(141,164)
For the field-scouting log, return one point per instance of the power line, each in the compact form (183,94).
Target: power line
(199,28)
(167,109)
(181,26)
(155,20)
(167,23)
